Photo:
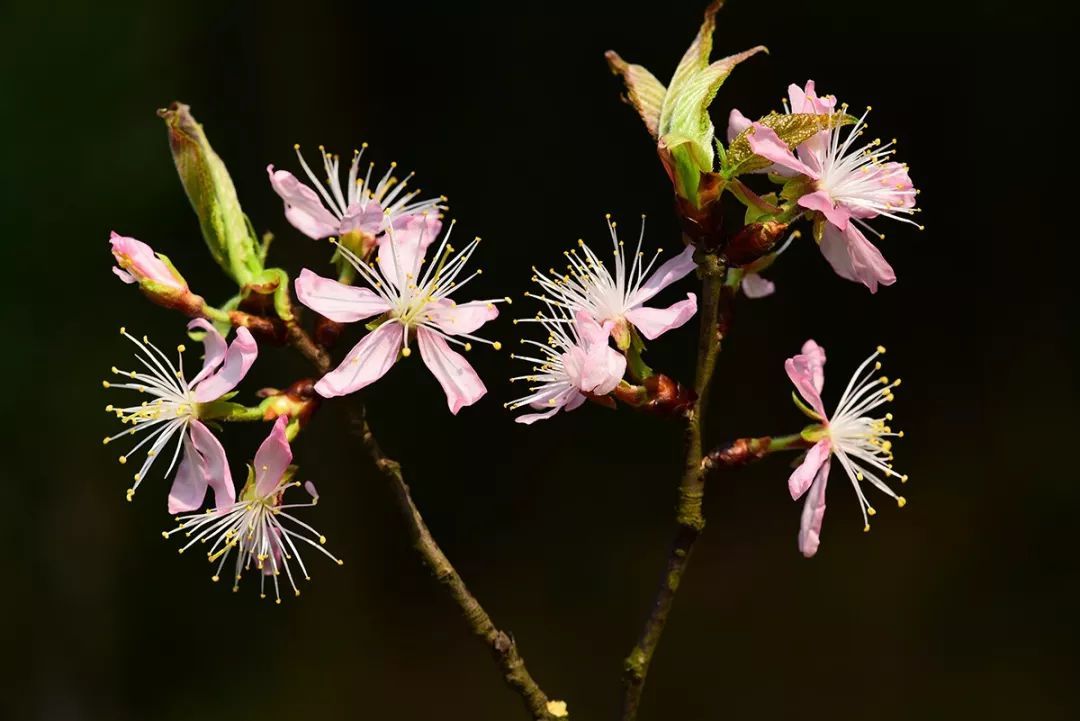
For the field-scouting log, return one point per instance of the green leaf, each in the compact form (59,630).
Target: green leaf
(227,231)
(684,115)
(643,90)
(755,212)
(793,128)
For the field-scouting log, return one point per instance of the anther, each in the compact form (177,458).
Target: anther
(901,501)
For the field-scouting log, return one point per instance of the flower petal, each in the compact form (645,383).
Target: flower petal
(457,378)
(214,347)
(835,213)
(421,228)
(736,123)
(241,354)
(189,486)
(654,322)
(807,373)
(303,206)
(137,260)
(215,463)
(766,143)
(589,331)
(855,258)
(674,269)
(801,478)
(603,369)
(813,513)
(272,458)
(368,219)
(457,318)
(400,257)
(337,301)
(367,362)
(755,286)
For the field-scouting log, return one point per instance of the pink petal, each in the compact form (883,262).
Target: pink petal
(422,227)
(819,200)
(654,322)
(123,275)
(807,101)
(737,122)
(272,459)
(214,347)
(589,331)
(755,286)
(602,370)
(455,319)
(137,260)
(766,143)
(400,258)
(337,301)
(189,486)
(303,206)
(674,269)
(368,220)
(367,362)
(457,378)
(241,354)
(813,513)
(807,373)
(855,258)
(568,400)
(216,464)
(804,475)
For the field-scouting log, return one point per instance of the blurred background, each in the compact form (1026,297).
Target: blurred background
(962,604)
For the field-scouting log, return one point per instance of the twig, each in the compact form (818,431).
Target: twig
(501,644)
(689,518)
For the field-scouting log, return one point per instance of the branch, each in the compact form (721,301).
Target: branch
(715,312)
(501,644)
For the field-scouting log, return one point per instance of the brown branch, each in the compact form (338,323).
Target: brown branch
(715,308)
(501,644)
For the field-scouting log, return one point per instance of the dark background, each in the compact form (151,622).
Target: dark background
(960,606)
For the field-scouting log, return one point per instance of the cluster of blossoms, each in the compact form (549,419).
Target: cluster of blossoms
(398,275)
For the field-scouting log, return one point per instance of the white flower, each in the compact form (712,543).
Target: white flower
(259,526)
(859,441)
(575,363)
(174,408)
(619,296)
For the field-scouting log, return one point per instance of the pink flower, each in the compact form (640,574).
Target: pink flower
(620,296)
(860,443)
(137,262)
(260,525)
(575,363)
(410,301)
(850,186)
(358,207)
(174,410)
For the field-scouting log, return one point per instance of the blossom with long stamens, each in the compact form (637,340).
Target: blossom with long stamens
(619,296)
(858,439)
(849,184)
(361,206)
(576,362)
(259,526)
(410,301)
(171,416)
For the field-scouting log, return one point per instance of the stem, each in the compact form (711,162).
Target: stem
(715,310)
(501,644)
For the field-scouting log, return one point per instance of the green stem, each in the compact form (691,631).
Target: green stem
(715,309)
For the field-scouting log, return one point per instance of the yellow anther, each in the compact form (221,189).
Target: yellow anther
(497,345)
(406,352)
(468,346)
(104,384)
(322,539)
(901,501)
(866,528)
(881,349)
(903,478)
(130,493)
(340,562)
(122,459)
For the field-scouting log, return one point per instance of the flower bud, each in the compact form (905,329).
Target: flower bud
(137,263)
(226,229)
(753,241)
